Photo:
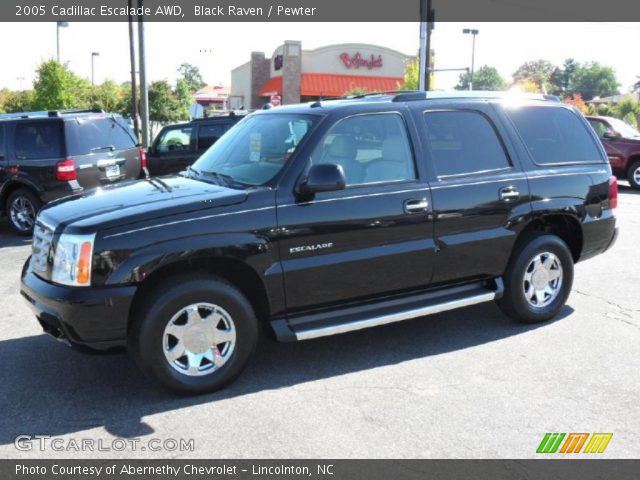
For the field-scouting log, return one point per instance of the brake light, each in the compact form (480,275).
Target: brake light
(613,192)
(143,158)
(66,170)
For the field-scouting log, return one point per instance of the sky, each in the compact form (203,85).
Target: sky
(216,48)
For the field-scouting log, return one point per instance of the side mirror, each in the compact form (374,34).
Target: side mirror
(324,177)
(611,134)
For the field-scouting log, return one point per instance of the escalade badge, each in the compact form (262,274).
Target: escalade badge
(310,248)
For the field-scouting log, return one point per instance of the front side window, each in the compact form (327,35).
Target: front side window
(554,135)
(176,140)
(257,148)
(35,140)
(463,142)
(599,127)
(370,148)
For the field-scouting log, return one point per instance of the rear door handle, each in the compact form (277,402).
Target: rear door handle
(416,205)
(509,194)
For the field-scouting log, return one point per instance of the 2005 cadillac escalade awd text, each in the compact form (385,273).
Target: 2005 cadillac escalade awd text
(323,218)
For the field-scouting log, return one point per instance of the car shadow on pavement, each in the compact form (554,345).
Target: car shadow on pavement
(10,239)
(627,189)
(49,389)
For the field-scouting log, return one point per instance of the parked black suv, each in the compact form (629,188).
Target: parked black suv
(178,146)
(48,155)
(325,218)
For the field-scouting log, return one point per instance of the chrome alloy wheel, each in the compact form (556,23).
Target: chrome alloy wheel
(542,279)
(636,175)
(199,339)
(22,213)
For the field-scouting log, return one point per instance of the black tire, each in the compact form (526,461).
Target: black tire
(31,201)
(514,303)
(633,178)
(147,332)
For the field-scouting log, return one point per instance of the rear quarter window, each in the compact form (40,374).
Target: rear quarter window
(86,135)
(554,135)
(38,140)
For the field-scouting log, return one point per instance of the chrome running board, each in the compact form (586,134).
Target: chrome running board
(350,320)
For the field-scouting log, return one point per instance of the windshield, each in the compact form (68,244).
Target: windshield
(256,149)
(623,128)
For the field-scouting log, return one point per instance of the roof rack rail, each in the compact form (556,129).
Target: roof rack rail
(71,111)
(410,96)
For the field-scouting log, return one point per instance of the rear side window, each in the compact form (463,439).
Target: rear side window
(209,134)
(36,140)
(89,135)
(554,135)
(2,152)
(463,142)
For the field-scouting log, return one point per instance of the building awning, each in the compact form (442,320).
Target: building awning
(333,85)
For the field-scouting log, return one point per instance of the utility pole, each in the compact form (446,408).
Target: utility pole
(144,92)
(426,25)
(132,59)
(473,32)
(93,56)
(59,25)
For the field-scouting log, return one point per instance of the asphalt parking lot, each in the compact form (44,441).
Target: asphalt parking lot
(467,383)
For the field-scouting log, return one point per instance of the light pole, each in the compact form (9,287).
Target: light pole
(93,56)
(20,79)
(59,25)
(473,32)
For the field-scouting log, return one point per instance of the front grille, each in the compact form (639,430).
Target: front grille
(41,246)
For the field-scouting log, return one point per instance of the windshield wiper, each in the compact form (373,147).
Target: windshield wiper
(106,147)
(227,179)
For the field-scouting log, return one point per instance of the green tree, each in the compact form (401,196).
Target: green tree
(629,111)
(164,106)
(411,72)
(594,80)
(485,78)
(183,97)
(191,74)
(107,96)
(55,87)
(538,72)
(18,102)
(561,79)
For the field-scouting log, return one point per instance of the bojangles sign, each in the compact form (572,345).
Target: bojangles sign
(357,61)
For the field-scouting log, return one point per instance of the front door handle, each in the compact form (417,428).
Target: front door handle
(416,205)
(509,194)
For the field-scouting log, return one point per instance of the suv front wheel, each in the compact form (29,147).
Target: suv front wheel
(538,279)
(22,207)
(194,335)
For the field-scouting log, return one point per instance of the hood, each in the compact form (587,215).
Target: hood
(116,205)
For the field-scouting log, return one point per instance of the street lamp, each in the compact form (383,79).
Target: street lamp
(20,79)
(93,56)
(473,32)
(59,25)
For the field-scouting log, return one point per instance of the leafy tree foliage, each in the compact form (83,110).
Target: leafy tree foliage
(485,78)
(191,74)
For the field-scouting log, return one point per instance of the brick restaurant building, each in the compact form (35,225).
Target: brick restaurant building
(294,75)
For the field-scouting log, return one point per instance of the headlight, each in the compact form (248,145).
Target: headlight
(72,260)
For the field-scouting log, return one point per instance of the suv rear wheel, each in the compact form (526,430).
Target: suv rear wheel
(633,175)
(194,335)
(22,207)
(538,279)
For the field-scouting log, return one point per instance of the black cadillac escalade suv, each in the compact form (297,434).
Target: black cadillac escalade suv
(324,218)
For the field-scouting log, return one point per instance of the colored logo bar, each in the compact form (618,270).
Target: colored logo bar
(573,442)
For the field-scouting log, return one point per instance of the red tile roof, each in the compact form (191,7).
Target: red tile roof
(333,85)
